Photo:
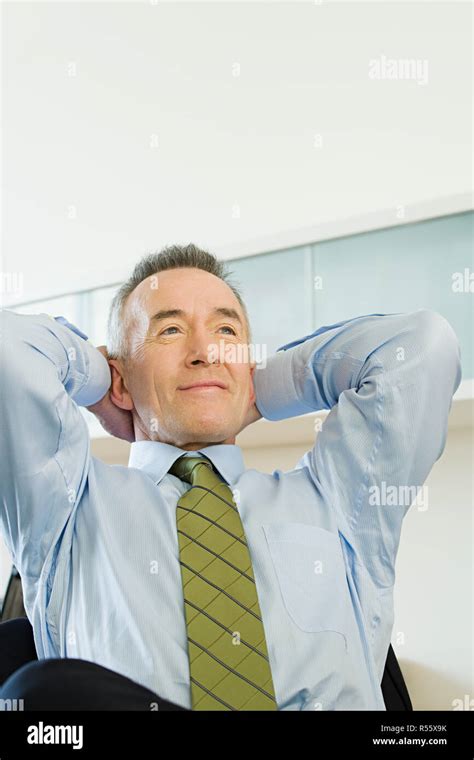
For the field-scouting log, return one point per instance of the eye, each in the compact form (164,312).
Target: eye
(173,327)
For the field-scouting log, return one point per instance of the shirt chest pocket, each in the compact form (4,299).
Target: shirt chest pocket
(311,574)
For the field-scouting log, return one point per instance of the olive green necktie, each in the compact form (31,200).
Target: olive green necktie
(228,658)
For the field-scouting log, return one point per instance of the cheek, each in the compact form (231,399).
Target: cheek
(147,383)
(243,381)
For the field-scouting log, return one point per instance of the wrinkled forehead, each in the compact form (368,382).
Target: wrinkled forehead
(176,289)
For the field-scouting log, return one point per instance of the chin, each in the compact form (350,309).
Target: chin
(206,429)
(205,432)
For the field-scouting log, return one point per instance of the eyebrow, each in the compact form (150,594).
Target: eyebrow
(218,311)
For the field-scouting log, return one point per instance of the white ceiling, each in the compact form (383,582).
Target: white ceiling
(88,88)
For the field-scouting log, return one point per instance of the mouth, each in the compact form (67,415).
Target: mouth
(205,387)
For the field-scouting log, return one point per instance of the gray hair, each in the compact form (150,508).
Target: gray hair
(172,257)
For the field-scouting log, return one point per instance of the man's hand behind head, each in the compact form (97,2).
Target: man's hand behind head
(118,422)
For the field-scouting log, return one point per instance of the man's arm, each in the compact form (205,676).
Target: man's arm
(46,372)
(388,381)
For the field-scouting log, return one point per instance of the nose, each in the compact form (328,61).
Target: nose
(199,349)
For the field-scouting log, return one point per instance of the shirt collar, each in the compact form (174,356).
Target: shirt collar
(156,458)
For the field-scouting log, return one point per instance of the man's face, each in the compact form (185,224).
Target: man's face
(169,353)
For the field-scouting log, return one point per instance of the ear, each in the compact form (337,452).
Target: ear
(119,393)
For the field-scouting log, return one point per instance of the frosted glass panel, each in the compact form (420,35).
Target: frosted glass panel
(99,304)
(276,288)
(399,269)
(69,306)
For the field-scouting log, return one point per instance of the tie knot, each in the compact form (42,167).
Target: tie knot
(187,468)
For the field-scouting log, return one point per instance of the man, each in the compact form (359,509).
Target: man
(185,580)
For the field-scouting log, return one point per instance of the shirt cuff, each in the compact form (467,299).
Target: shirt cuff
(276,396)
(99,375)
(98,381)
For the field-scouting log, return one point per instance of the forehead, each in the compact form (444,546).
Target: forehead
(188,288)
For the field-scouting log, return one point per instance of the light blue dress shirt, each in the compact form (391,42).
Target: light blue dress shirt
(96,544)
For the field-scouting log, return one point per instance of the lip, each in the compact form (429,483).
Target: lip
(204,385)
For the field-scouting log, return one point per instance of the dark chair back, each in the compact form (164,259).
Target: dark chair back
(394,690)
(13,601)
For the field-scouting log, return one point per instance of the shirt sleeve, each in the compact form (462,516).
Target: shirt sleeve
(388,381)
(47,370)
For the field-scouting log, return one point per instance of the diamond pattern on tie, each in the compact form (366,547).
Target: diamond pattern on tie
(228,657)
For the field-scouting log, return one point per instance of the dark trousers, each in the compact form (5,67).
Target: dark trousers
(65,683)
